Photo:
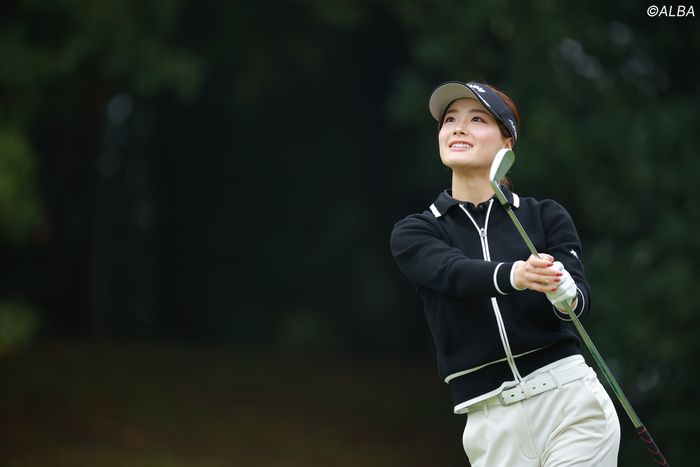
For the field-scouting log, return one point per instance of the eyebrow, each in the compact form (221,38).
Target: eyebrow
(481,111)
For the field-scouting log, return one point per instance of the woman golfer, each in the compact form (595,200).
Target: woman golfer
(496,312)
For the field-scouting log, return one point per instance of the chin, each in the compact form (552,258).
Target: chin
(455,163)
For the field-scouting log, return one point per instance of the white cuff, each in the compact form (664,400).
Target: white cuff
(495,279)
(512,276)
(563,315)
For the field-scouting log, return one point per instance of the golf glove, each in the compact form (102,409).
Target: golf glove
(566,292)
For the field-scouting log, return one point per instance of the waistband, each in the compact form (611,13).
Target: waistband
(494,378)
(545,379)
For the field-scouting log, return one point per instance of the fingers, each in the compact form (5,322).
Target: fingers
(557,266)
(543,260)
(539,273)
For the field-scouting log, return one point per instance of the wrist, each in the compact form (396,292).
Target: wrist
(561,306)
(513,282)
(578,305)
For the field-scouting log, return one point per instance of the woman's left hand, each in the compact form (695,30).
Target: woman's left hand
(565,292)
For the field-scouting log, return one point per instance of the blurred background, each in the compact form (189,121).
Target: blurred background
(196,199)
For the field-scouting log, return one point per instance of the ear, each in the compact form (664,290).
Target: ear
(509,143)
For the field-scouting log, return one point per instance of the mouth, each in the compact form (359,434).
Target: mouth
(460,145)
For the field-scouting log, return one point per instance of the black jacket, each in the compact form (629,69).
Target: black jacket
(465,284)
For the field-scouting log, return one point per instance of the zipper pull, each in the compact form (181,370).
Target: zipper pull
(482,232)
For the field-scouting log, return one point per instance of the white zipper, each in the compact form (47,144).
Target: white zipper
(483,236)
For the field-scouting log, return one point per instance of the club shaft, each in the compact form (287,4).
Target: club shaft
(603,367)
(584,335)
(607,374)
(523,234)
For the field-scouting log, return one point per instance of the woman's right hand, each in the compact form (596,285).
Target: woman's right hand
(537,274)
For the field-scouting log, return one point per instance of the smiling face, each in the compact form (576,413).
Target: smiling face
(469,137)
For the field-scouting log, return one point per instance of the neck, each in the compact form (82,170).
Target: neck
(474,189)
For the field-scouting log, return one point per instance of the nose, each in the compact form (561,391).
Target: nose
(459,130)
(460,127)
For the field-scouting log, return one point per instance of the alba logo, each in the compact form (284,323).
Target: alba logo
(477,87)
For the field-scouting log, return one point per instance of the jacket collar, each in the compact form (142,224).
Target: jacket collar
(445,201)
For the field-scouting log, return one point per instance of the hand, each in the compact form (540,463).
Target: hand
(565,292)
(536,274)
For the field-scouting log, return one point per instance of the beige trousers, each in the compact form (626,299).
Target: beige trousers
(574,425)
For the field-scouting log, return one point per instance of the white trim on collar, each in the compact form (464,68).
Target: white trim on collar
(434,210)
(516,200)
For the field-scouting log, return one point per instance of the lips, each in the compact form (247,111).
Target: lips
(460,145)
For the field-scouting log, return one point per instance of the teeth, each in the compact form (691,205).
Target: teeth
(461,145)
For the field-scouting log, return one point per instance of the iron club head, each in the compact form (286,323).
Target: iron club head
(499,168)
(501,164)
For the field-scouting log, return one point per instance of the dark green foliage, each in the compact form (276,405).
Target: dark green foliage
(232,170)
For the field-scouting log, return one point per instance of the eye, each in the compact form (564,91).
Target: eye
(448,120)
(476,118)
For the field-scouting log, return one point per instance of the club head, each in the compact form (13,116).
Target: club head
(501,164)
(499,168)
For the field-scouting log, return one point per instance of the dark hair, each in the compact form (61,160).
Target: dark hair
(511,105)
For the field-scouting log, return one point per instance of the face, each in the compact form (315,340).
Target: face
(469,137)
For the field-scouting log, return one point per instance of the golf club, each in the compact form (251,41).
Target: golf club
(499,167)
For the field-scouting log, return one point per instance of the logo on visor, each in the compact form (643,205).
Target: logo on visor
(512,125)
(477,87)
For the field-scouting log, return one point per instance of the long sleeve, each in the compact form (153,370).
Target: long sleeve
(427,260)
(564,245)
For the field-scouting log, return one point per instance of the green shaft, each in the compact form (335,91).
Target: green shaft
(584,335)
(604,368)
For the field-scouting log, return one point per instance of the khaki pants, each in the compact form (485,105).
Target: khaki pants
(573,425)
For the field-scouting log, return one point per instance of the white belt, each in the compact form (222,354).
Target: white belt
(536,385)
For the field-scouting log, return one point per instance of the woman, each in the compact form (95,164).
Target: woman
(497,313)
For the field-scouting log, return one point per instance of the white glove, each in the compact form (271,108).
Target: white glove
(566,291)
